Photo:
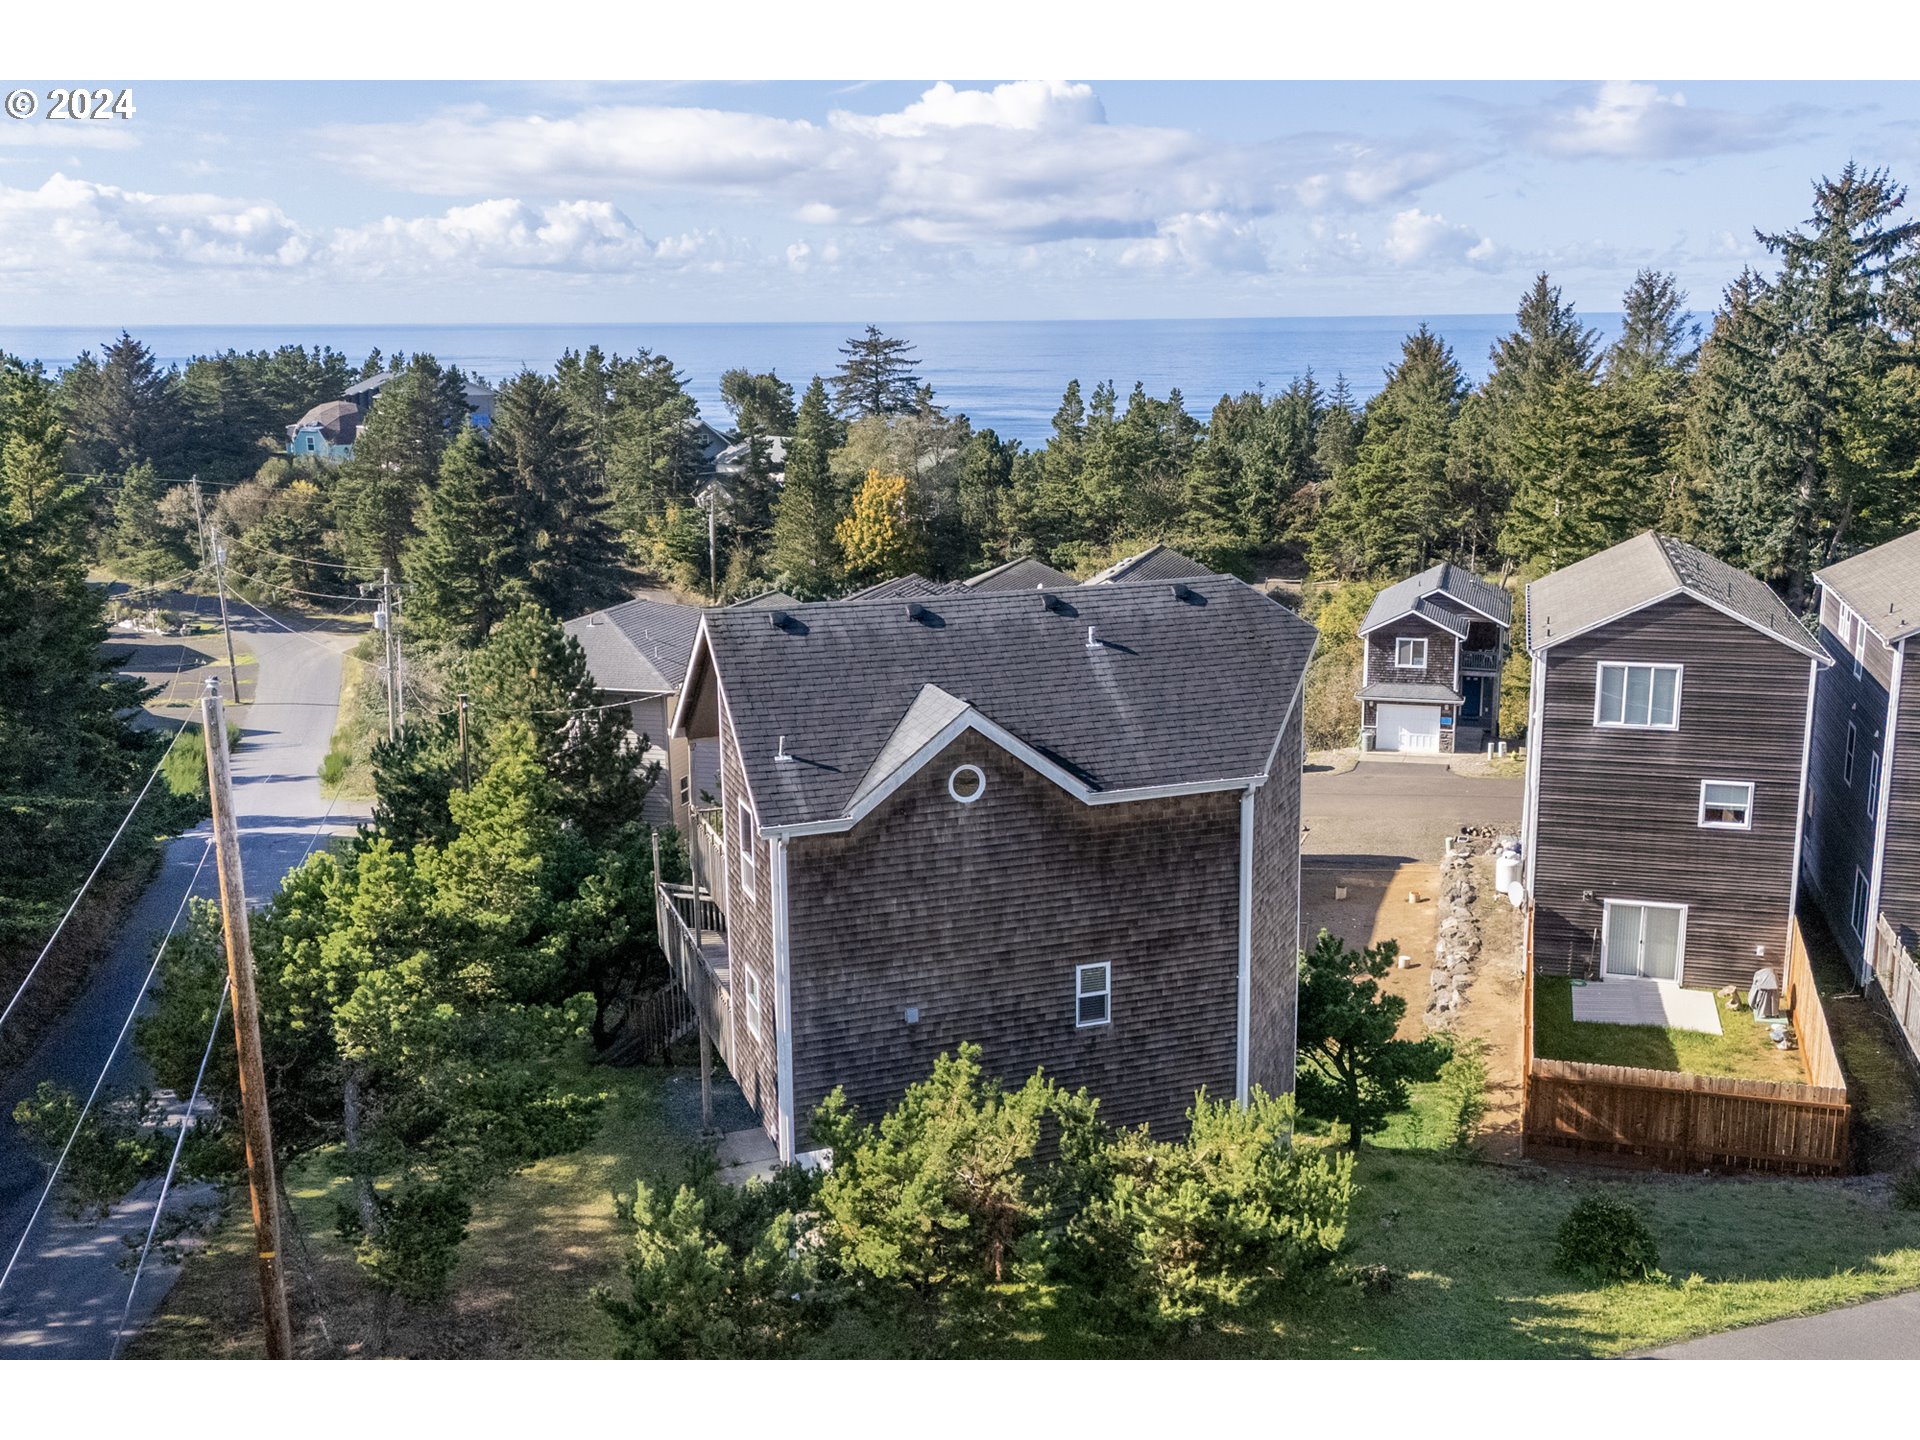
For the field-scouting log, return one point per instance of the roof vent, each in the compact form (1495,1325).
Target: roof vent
(780,756)
(1179,591)
(916,611)
(1050,603)
(1093,639)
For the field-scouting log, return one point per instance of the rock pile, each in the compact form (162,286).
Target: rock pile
(1456,947)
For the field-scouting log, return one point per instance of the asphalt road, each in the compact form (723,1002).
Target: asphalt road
(65,1295)
(1400,810)
(1877,1330)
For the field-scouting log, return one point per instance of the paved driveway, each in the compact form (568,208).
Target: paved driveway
(65,1295)
(1399,810)
(1877,1330)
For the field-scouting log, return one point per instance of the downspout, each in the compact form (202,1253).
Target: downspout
(782,996)
(1243,1024)
(1800,817)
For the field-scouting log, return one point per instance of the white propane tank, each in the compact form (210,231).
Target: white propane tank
(1506,870)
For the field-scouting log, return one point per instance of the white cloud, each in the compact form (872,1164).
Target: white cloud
(1028,162)
(1633,120)
(1207,241)
(1414,236)
(576,236)
(68,224)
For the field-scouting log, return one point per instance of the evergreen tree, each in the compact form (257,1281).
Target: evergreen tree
(1337,441)
(652,461)
(462,565)
(396,458)
(124,410)
(144,547)
(1644,392)
(568,553)
(760,404)
(805,557)
(875,377)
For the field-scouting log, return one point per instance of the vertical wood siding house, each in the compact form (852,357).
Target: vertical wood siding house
(1671,707)
(1063,825)
(1430,669)
(1863,824)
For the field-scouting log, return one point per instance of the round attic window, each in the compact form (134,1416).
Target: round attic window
(967,784)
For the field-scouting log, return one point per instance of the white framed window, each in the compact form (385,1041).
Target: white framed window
(753,1002)
(1853,746)
(1092,994)
(1726,804)
(744,823)
(1643,938)
(1410,653)
(1857,911)
(1637,697)
(1873,785)
(967,783)
(1853,632)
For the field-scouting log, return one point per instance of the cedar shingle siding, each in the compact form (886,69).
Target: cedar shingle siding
(749,943)
(1618,808)
(1440,647)
(977,915)
(1276,917)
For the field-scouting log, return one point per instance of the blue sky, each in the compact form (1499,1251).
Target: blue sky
(366,202)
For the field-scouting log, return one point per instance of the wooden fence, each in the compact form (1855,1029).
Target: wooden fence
(1899,976)
(1689,1122)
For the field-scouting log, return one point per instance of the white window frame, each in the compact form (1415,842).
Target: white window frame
(1104,993)
(1853,749)
(1873,785)
(1857,918)
(979,777)
(1599,687)
(1854,635)
(1410,641)
(745,848)
(753,1002)
(1706,824)
(1679,944)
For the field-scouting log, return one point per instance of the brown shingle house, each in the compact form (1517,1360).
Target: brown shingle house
(1863,825)
(1430,672)
(1062,824)
(1666,763)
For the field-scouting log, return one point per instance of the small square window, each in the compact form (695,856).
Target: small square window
(1726,804)
(1093,994)
(1410,653)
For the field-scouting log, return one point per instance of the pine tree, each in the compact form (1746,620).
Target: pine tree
(652,463)
(568,553)
(147,550)
(396,458)
(462,566)
(875,377)
(760,404)
(124,409)
(805,557)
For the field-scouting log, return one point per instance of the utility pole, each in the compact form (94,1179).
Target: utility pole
(199,522)
(466,772)
(220,584)
(262,1186)
(386,623)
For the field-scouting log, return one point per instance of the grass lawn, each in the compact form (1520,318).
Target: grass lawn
(346,772)
(538,1243)
(1741,1051)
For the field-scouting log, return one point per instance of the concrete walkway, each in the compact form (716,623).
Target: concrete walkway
(1620,1000)
(66,1294)
(1877,1330)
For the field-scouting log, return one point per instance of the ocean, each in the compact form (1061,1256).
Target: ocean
(1005,374)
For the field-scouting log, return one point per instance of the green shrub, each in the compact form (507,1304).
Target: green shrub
(1906,1189)
(185,768)
(1605,1241)
(1463,1087)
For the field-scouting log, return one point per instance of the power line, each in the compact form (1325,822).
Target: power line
(93,874)
(173,1164)
(294,559)
(302,634)
(105,1069)
(313,594)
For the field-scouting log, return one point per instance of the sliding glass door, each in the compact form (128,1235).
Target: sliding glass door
(1644,940)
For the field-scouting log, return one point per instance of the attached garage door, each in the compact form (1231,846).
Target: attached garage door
(1407,727)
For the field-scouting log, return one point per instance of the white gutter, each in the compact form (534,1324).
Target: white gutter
(782,997)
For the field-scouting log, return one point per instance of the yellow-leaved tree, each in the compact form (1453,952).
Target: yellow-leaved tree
(875,536)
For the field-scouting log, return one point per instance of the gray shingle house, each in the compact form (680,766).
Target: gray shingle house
(1063,825)
(1863,833)
(637,652)
(1430,669)
(1156,562)
(1666,762)
(1025,573)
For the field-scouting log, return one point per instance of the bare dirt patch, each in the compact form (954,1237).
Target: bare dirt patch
(1377,908)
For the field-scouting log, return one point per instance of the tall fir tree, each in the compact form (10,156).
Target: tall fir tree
(875,376)
(463,565)
(805,557)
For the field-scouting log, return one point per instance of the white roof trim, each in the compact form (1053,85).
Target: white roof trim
(1821,658)
(675,723)
(1412,615)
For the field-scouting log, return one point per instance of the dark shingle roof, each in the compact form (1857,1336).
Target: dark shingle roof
(640,647)
(1158,563)
(1175,690)
(766,600)
(1650,567)
(905,587)
(1414,691)
(1881,586)
(1445,579)
(1025,573)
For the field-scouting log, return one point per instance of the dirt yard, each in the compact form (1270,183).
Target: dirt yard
(1377,908)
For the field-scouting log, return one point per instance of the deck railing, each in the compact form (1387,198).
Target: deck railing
(708,849)
(1479,659)
(678,912)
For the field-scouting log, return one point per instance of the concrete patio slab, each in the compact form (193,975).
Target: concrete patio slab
(1646,1002)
